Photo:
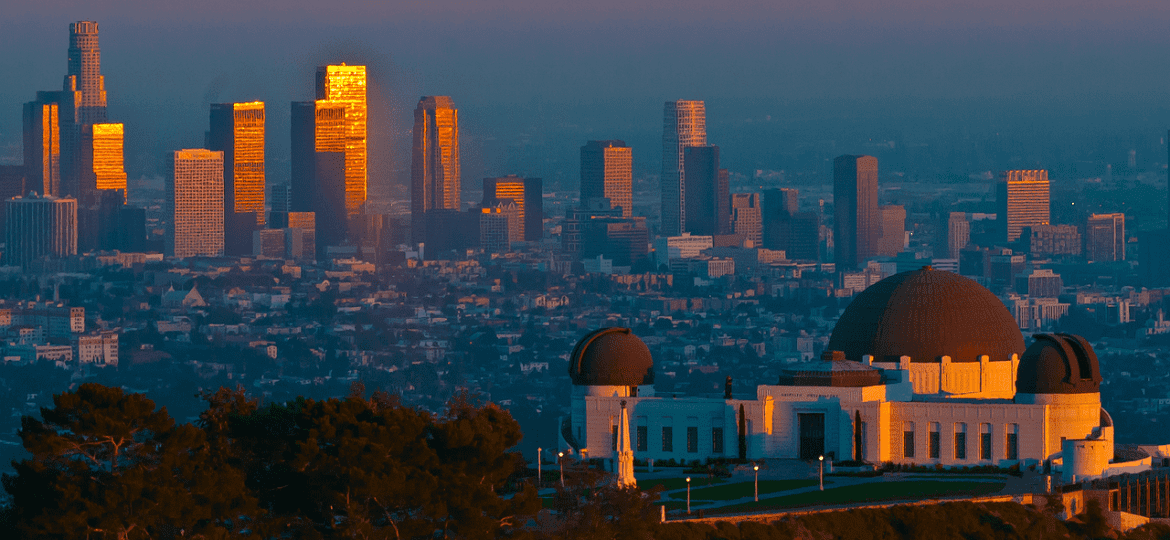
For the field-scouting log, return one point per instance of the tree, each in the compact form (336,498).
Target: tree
(108,464)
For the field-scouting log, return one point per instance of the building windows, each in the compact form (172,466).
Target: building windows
(908,440)
(985,441)
(642,436)
(667,439)
(960,441)
(717,440)
(1012,441)
(693,439)
(935,441)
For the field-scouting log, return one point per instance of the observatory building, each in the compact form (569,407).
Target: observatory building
(925,367)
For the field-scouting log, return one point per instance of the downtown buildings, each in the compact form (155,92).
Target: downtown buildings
(1023,201)
(194,212)
(237,130)
(434,162)
(684,124)
(858,227)
(607,171)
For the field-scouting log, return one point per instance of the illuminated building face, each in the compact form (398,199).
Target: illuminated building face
(42,142)
(1023,201)
(195,204)
(684,124)
(248,166)
(108,169)
(346,86)
(85,71)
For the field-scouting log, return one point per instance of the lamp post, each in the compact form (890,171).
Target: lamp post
(538,475)
(757,469)
(821,474)
(561,462)
(688,495)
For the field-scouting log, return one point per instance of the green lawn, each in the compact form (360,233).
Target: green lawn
(669,484)
(873,492)
(740,490)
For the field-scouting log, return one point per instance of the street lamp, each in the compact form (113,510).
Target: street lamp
(757,469)
(821,475)
(561,462)
(688,495)
(538,475)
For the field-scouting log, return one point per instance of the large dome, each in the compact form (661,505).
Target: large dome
(611,357)
(1059,364)
(927,314)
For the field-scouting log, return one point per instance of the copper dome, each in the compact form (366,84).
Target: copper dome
(927,314)
(611,357)
(1059,364)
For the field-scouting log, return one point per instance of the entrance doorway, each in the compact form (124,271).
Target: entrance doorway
(812,435)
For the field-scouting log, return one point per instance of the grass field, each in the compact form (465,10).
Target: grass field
(743,489)
(873,492)
(669,484)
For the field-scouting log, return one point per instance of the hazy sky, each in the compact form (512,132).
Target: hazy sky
(535,79)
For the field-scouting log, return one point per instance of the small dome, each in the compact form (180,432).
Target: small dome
(611,357)
(927,314)
(1059,364)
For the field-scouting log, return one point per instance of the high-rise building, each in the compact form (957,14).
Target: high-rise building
(804,241)
(39,226)
(1105,237)
(858,227)
(280,198)
(528,194)
(1048,240)
(346,85)
(607,170)
(318,167)
(85,72)
(42,146)
(102,166)
(499,226)
(434,161)
(777,207)
(194,204)
(745,217)
(707,208)
(237,130)
(1022,199)
(893,238)
(684,124)
(953,235)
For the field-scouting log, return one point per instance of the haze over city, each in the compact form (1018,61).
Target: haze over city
(1031,84)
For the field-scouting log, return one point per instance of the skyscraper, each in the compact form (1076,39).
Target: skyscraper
(893,237)
(99,185)
(39,226)
(953,235)
(42,146)
(857,226)
(528,194)
(237,130)
(194,204)
(85,72)
(777,209)
(101,158)
(707,208)
(607,170)
(434,161)
(319,167)
(1105,237)
(1022,200)
(684,124)
(745,217)
(347,85)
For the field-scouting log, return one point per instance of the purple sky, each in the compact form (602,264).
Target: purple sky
(525,73)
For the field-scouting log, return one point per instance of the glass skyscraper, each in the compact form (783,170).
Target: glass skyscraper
(434,161)
(684,124)
(194,202)
(857,228)
(346,85)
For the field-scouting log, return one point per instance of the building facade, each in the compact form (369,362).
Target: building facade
(607,171)
(194,211)
(684,124)
(893,238)
(706,210)
(528,194)
(857,229)
(746,217)
(1105,237)
(39,226)
(1022,197)
(346,86)
(434,161)
(318,167)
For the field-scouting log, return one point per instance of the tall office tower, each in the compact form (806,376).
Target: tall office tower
(684,124)
(347,85)
(745,217)
(706,209)
(280,198)
(855,199)
(777,207)
(893,238)
(953,235)
(1105,237)
(607,170)
(237,130)
(804,243)
(194,204)
(39,226)
(434,161)
(85,72)
(42,146)
(1022,200)
(318,168)
(528,194)
(101,157)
